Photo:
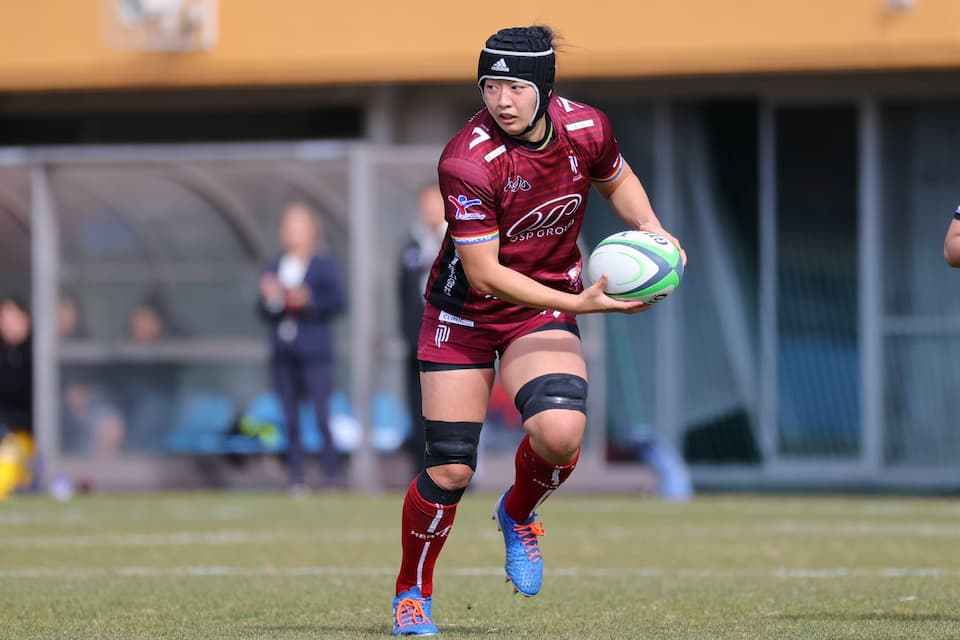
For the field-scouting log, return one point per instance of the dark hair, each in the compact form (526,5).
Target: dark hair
(525,39)
(17,300)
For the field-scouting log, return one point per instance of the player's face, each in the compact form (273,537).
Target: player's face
(512,104)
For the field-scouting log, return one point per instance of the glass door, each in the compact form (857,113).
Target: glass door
(814,345)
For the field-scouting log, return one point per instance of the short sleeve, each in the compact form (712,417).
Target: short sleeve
(609,162)
(469,199)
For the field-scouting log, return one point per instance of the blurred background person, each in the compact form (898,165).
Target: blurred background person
(16,394)
(147,388)
(92,423)
(951,244)
(416,259)
(301,292)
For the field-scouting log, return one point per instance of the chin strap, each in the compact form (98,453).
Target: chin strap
(543,142)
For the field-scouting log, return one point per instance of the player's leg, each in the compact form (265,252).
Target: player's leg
(545,372)
(454,405)
(318,378)
(287,387)
(457,360)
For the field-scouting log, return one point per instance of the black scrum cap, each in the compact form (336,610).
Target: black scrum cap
(524,54)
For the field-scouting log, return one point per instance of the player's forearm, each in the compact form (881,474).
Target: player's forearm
(629,199)
(516,288)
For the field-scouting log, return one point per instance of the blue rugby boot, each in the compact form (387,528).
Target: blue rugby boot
(411,614)
(524,564)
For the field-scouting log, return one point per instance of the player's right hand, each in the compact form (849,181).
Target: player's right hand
(594,300)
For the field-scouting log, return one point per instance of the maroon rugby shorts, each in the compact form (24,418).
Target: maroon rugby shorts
(451,342)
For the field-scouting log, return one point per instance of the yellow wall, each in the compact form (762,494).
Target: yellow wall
(58,44)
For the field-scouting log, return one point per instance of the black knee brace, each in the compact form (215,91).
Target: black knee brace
(430,492)
(451,443)
(552,391)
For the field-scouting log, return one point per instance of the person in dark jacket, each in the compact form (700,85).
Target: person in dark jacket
(16,395)
(16,366)
(423,244)
(301,292)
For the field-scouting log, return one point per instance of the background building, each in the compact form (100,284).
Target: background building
(803,151)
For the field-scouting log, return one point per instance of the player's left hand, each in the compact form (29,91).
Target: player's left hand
(669,236)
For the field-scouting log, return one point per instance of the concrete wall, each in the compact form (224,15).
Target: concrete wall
(62,44)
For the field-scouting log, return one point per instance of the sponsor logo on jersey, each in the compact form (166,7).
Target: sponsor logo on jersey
(463,204)
(582,124)
(442,335)
(574,274)
(516,184)
(451,281)
(452,319)
(496,153)
(442,533)
(500,65)
(552,218)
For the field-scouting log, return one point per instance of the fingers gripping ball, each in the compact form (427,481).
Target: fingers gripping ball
(640,265)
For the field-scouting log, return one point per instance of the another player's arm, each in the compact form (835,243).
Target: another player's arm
(482,265)
(951,244)
(626,195)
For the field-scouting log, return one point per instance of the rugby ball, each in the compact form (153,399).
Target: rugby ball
(640,265)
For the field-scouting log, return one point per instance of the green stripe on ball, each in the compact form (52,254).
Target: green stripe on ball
(671,255)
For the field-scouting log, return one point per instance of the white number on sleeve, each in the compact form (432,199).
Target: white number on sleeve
(479,135)
(569,105)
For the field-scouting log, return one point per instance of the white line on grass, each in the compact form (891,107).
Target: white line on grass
(782,527)
(640,572)
(239,537)
(184,538)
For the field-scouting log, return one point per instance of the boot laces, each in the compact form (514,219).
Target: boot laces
(410,611)
(528,534)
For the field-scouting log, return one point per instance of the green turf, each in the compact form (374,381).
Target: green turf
(263,565)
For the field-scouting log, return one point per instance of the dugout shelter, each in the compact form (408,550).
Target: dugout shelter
(804,152)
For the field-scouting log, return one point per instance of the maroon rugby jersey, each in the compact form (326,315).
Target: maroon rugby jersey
(532,201)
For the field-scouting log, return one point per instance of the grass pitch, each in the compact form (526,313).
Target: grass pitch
(267,566)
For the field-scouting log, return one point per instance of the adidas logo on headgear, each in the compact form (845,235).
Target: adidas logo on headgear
(500,65)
